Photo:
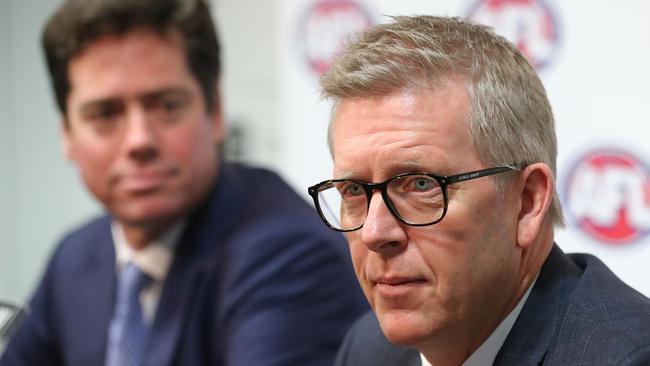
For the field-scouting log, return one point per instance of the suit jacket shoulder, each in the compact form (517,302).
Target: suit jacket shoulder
(579,313)
(256,280)
(72,305)
(606,321)
(286,289)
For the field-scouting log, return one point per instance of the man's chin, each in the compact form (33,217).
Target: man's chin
(404,328)
(148,214)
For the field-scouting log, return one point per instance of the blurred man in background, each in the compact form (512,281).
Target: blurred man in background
(444,154)
(198,261)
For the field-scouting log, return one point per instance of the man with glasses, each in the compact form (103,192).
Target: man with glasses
(197,261)
(444,161)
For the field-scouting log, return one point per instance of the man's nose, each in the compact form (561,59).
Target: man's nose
(382,232)
(141,137)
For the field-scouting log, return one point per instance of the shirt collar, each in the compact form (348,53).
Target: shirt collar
(155,258)
(487,352)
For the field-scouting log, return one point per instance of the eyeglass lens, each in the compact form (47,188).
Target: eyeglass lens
(417,199)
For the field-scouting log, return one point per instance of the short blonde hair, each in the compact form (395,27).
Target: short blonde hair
(511,121)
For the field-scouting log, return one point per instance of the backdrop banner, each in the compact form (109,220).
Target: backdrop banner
(592,58)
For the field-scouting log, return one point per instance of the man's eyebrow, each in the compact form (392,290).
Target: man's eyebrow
(88,106)
(417,166)
(345,175)
(408,166)
(166,92)
(147,96)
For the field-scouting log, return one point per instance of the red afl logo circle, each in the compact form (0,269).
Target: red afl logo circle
(607,195)
(325,27)
(530,25)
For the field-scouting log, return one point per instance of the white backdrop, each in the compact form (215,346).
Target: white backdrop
(593,58)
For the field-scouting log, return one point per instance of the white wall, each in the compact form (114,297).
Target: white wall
(5,87)
(41,197)
(250,80)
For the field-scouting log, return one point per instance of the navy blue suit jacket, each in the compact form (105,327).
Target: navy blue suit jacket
(257,280)
(578,313)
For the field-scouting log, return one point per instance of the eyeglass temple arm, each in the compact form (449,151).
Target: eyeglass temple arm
(478,174)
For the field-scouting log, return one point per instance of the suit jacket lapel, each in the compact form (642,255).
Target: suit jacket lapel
(92,303)
(172,310)
(197,251)
(535,328)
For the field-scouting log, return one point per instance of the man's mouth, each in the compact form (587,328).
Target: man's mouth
(144,181)
(397,286)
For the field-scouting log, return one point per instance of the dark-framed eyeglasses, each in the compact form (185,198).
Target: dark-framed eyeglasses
(416,199)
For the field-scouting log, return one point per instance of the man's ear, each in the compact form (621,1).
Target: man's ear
(536,195)
(65,139)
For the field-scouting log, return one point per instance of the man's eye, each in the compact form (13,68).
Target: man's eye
(351,189)
(171,105)
(355,189)
(167,109)
(423,184)
(102,114)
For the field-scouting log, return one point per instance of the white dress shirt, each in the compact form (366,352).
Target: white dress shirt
(487,352)
(154,259)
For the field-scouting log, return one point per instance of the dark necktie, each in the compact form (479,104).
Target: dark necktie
(127,334)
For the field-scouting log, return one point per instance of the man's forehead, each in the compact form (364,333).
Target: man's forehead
(406,101)
(166,35)
(414,131)
(140,43)
(358,116)
(139,62)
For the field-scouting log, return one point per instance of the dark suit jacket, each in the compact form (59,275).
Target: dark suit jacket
(257,280)
(578,313)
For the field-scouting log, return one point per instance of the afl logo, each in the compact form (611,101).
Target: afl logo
(530,25)
(607,195)
(325,27)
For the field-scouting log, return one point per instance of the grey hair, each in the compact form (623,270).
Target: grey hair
(510,118)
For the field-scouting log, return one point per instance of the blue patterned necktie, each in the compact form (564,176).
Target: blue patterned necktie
(127,334)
